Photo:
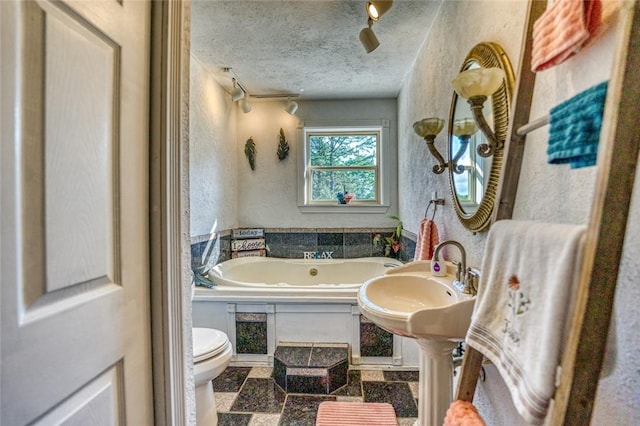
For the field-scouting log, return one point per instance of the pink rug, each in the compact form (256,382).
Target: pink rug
(336,413)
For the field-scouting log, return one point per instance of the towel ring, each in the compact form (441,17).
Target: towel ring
(436,202)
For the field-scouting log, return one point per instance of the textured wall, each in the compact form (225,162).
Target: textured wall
(268,194)
(213,162)
(545,192)
(427,92)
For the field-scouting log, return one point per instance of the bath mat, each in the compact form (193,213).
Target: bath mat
(338,413)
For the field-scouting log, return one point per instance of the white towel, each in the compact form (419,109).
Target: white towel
(525,295)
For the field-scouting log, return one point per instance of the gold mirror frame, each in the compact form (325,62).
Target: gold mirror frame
(487,55)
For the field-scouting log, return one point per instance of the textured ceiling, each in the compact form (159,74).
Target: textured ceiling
(310,48)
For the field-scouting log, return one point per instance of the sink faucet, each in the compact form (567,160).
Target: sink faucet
(466,278)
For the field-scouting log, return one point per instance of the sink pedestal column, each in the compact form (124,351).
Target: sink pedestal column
(436,381)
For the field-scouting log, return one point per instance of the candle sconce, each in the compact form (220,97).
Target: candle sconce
(476,85)
(428,129)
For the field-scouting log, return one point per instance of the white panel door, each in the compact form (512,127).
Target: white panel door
(74,220)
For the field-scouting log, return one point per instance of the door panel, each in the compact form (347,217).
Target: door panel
(81,140)
(74,218)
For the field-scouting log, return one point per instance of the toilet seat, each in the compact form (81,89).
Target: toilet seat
(207,343)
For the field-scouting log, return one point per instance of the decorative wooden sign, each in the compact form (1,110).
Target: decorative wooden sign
(251,253)
(248,242)
(247,233)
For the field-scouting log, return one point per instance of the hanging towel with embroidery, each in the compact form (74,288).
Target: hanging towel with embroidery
(519,322)
(574,128)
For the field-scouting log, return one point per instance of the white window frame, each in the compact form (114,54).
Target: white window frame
(384,178)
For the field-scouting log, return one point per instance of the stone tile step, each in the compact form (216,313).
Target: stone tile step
(311,355)
(311,369)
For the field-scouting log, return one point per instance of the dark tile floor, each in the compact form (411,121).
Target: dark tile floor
(249,396)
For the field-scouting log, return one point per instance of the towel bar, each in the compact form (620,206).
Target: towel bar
(533,125)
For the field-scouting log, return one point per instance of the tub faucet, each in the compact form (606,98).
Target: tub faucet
(462,272)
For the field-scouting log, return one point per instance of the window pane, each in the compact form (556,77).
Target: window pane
(327,183)
(343,150)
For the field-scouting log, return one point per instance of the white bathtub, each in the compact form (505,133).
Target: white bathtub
(286,279)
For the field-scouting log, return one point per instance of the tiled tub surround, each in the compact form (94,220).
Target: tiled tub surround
(251,333)
(250,396)
(288,320)
(347,243)
(374,341)
(298,317)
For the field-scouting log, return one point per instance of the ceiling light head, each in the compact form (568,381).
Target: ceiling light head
(236,93)
(292,107)
(246,107)
(368,38)
(375,9)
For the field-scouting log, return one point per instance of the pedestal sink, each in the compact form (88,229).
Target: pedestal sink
(410,302)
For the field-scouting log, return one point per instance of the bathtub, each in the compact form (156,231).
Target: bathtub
(273,300)
(287,279)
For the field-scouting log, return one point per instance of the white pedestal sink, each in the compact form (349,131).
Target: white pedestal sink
(410,302)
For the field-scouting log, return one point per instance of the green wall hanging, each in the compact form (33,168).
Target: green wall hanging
(283,147)
(250,152)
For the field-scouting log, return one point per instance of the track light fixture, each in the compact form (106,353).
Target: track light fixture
(292,106)
(236,93)
(375,9)
(244,104)
(368,38)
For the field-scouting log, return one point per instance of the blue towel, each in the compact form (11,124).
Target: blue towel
(575,128)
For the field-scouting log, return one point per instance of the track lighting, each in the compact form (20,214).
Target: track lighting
(244,104)
(375,9)
(368,38)
(292,107)
(236,93)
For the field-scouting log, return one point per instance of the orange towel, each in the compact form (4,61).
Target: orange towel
(562,30)
(427,240)
(463,413)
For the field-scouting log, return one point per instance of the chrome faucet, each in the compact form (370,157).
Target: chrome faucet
(466,278)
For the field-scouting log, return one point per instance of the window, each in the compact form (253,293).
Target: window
(342,162)
(339,159)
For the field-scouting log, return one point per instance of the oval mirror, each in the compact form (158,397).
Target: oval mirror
(473,178)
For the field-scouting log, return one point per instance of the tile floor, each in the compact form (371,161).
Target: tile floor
(249,396)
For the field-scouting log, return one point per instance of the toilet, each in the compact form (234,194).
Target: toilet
(211,355)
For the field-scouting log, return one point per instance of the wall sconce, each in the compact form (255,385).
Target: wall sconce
(368,38)
(292,106)
(375,9)
(428,128)
(476,85)
(463,128)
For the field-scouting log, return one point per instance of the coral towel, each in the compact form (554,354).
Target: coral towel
(340,413)
(427,240)
(463,413)
(524,299)
(562,30)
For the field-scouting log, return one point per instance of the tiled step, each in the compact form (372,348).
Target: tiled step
(311,368)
